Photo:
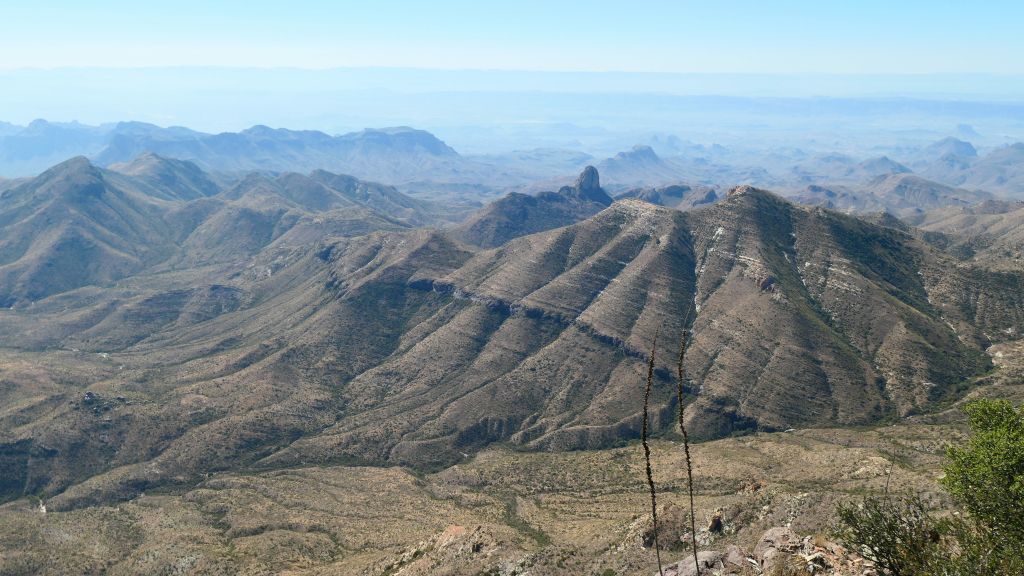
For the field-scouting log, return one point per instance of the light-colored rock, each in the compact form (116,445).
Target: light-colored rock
(709,560)
(782,539)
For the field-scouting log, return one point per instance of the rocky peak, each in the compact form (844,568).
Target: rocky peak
(588,180)
(742,190)
(74,180)
(755,202)
(588,187)
(78,168)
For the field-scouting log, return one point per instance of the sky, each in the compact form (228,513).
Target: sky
(675,36)
(458,65)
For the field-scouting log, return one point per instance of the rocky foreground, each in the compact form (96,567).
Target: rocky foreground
(780,551)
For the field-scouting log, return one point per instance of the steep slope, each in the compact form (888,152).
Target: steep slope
(75,225)
(291,212)
(881,166)
(244,365)
(520,214)
(321,191)
(407,348)
(495,508)
(945,160)
(545,341)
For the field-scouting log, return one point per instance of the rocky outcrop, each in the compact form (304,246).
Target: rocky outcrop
(588,187)
(476,550)
(778,551)
(588,180)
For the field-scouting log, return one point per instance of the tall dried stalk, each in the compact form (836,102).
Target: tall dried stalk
(686,445)
(892,464)
(647,453)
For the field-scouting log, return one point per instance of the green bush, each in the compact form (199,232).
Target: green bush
(986,476)
(976,550)
(898,534)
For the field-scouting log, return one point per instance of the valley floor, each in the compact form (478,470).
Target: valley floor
(500,511)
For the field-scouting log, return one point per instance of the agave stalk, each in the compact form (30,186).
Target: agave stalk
(892,464)
(684,341)
(647,454)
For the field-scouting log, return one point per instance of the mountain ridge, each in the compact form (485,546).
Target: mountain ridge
(78,225)
(407,347)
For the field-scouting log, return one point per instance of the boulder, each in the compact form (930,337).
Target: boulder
(709,561)
(734,557)
(775,547)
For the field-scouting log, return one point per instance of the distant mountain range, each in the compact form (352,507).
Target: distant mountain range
(425,166)
(392,155)
(900,193)
(839,168)
(398,151)
(1000,171)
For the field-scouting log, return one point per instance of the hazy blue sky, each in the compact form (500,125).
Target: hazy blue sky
(778,36)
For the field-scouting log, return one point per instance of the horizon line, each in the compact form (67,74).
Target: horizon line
(60,68)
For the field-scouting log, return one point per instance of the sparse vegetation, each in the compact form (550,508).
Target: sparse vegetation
(513,519)
(495,375)
(897,534)
(986,476)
